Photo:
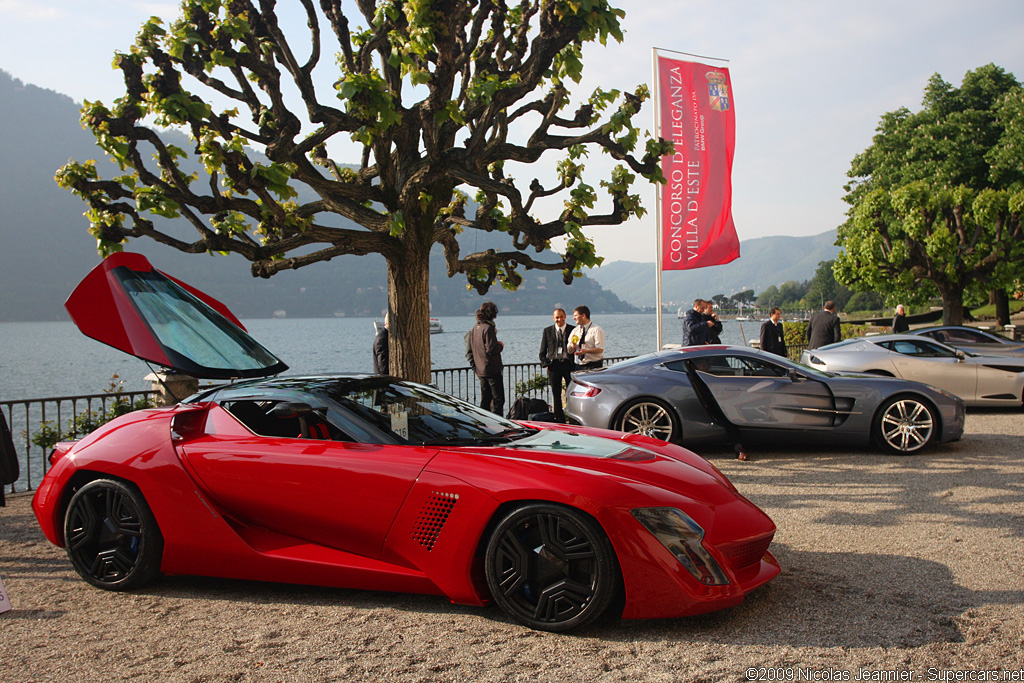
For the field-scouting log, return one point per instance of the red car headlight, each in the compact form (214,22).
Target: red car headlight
(683,537)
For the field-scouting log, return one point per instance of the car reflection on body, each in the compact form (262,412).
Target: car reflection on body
(689,395)
(972,339)
(980,380)
(373,483)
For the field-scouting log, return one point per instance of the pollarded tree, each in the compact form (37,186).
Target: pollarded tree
(444,99)
(936,201)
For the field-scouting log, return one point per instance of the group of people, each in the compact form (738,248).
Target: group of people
(701,325)
(824,327)
(563,350)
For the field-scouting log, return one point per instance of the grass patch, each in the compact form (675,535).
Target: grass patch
(989,310)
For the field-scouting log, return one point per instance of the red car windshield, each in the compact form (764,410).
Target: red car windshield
(414,413)
(128,304)
(192,333)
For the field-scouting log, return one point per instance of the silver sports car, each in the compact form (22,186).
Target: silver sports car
(698,394)
(972,339)
(980,380)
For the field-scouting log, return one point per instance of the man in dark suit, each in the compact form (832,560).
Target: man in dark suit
(773,336)
(381,362)
(557,360)
(823,327)
(696,328)
(714,324)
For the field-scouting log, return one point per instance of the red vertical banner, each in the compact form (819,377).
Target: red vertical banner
(697,116)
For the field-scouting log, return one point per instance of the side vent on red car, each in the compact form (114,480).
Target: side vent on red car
(188,424)
(434,514)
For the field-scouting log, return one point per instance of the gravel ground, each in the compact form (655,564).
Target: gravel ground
(893,569)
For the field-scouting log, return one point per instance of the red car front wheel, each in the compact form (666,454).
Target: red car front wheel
(112,536)
(551,567)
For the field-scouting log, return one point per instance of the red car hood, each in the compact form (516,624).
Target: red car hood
(639,460)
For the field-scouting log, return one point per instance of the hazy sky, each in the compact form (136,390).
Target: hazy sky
(810,81)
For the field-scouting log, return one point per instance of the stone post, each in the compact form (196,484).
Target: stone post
(173,386)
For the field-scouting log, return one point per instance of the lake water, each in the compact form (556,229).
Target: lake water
(44,359)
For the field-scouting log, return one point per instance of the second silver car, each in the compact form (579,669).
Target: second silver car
(980,380)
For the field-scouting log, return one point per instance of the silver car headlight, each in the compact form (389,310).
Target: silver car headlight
(683,538)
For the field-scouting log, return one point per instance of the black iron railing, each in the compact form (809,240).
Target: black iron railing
(36,422)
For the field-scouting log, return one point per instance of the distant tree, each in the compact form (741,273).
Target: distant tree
(791,292)
(936,201)
(865,301)
(786,295)
(769,297)
(445,100)
(720,300)
(745,297)
(824,287)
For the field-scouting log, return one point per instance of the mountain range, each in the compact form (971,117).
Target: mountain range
(763,262)
(47,249)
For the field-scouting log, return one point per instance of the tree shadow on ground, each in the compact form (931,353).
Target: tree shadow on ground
(836,600)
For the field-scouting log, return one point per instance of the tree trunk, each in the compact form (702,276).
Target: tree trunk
(1001,299)
(409,315)
(952,306)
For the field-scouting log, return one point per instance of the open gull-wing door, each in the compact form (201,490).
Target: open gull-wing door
(126,303)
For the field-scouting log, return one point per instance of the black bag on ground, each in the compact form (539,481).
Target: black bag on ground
(524,408)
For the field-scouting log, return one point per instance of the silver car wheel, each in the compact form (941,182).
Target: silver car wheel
(905,425)
(649,418)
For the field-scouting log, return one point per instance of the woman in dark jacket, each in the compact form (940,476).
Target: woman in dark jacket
(486,350)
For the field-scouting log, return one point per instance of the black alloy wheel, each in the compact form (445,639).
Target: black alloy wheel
(551,567)
(904,425)
(112,536)
(649,417)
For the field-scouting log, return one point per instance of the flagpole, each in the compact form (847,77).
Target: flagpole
(657,198)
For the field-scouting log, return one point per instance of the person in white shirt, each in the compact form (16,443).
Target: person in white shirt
(586,342)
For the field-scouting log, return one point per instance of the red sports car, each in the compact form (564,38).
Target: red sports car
(370,482)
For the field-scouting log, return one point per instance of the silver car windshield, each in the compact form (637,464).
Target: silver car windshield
(922,348)
(741,365)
